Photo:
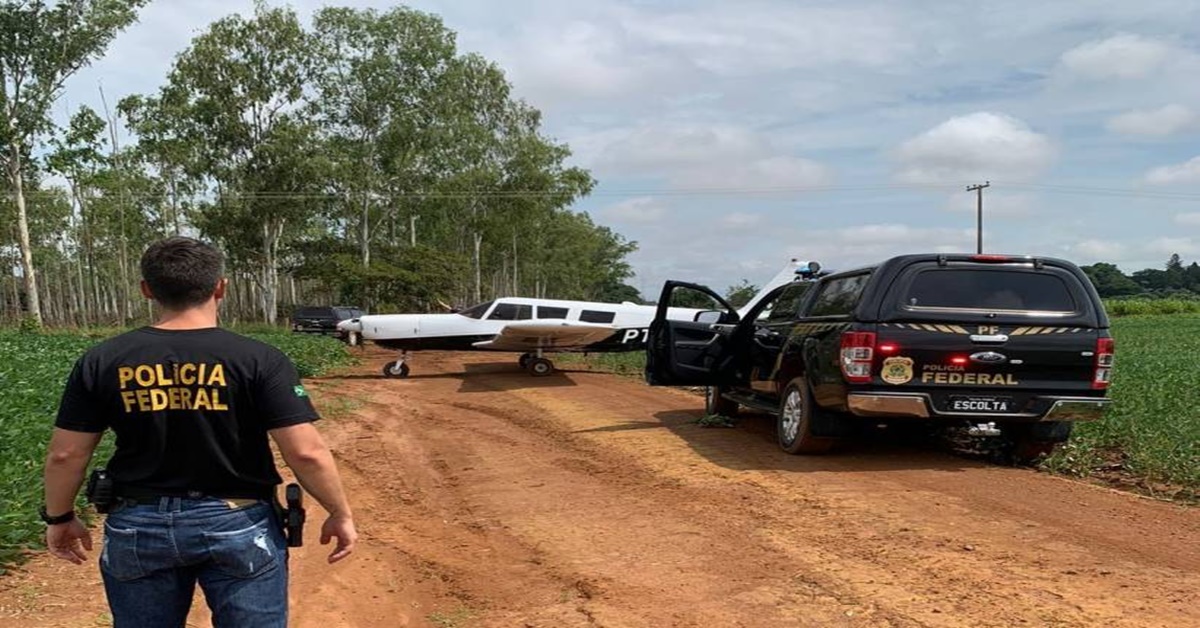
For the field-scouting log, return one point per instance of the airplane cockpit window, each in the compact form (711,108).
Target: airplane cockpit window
(545,311)
(511,312)
(594,316)
(477,311)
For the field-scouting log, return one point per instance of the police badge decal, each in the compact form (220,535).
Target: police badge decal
(897,370)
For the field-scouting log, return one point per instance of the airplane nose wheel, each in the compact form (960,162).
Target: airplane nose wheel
(539,367)
(397,368)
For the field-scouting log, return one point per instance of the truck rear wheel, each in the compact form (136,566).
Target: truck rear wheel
(714,403)
(794,425)
(1029,442)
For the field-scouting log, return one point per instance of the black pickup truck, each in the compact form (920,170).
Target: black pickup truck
(1003,345)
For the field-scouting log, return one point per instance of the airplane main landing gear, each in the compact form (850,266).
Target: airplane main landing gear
(398,368)
(536,364)
(539,367)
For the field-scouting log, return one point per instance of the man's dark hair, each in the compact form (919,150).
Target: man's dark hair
(181,272)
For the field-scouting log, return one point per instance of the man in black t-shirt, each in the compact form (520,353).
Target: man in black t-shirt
(192,407)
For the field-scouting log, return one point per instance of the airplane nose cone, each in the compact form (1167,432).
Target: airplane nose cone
(352,324)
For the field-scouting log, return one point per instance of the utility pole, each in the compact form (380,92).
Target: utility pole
(978,190)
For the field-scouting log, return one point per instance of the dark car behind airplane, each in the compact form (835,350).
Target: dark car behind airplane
(1003,345)
(322,319)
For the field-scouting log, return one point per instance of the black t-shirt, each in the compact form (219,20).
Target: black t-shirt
(190,408)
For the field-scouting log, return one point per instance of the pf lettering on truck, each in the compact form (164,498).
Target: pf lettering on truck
(1014,347)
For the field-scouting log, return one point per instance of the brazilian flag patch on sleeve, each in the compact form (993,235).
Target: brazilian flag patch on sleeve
(299,390)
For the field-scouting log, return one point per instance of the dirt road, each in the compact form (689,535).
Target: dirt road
(489,498)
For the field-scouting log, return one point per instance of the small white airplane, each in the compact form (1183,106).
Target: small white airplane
(532,326)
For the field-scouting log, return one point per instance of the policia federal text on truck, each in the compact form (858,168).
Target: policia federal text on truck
(1013,346)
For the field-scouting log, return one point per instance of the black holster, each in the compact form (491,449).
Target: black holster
(100,491)
(293,515)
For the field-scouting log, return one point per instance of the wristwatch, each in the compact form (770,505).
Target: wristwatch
(51,521)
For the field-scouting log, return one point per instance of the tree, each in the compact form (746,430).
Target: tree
(1152,279)
(166,151)
(40,48)
(78,157)
(380,78)
(1110,281)
(237,97)
(740,295)
(1176,276)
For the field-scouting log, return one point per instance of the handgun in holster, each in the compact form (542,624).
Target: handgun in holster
(294,515)
(100,490)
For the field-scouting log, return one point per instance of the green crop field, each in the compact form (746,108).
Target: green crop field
(1143,307)
(1151,435)
(1153,431)
(33,368)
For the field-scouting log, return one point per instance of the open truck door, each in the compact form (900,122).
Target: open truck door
(689,351)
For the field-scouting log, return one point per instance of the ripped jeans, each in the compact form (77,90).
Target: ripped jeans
(154,555)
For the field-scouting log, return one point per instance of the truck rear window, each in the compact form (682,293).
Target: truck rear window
(988,289)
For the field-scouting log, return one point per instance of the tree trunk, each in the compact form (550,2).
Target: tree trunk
(516,288)
(85,313)
(15,176)
(478,237)
(269,282)
(175,204)
(124,264)
(16,285)
(366,231)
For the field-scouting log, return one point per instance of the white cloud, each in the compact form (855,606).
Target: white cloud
(1188,220)
(1169,246)
(747,38)
(849,247)
(783,171)
(694,156)
(741,220)
(723,256)
(666,147)
(980,145)
(1161,122)
(643,210)
(1098,249)
(1186,172)
(1123,56)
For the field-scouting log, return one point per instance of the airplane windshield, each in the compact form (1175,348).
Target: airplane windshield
(477,311)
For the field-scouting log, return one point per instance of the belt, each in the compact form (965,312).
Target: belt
(153,495)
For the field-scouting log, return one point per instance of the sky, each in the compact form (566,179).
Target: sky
(728,138)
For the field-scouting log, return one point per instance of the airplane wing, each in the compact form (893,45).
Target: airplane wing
(531,335)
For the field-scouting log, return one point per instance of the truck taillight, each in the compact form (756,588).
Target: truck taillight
(858,356)
(1104,362)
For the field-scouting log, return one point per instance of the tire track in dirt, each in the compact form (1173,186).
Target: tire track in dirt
(917,533)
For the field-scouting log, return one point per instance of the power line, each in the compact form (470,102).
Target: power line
(685,191)
(1103,191)
(706,191)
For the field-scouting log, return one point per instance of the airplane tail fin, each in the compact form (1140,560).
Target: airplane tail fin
(793,270)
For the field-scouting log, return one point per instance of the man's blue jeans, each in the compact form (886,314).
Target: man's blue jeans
(154,555)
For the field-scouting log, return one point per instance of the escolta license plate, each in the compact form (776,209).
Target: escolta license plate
(984,405)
